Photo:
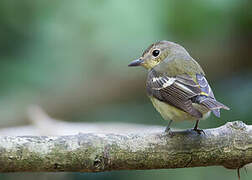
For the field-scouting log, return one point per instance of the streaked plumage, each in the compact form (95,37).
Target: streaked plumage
(176,83)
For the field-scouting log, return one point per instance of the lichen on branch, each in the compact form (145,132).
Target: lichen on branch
(229,146)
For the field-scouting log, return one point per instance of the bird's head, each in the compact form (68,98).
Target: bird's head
(158,52)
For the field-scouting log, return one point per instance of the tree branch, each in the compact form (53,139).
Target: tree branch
(229,146)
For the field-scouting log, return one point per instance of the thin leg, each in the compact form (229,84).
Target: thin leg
(167,129)
(196,125)
(199,131)
(238,173)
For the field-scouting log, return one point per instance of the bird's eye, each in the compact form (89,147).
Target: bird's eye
(155,53)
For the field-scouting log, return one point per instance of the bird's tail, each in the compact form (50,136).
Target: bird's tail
(214,105)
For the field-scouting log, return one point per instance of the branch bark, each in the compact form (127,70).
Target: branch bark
(229,146)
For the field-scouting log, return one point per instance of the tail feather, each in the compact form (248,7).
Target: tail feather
(214,105)
(216,112)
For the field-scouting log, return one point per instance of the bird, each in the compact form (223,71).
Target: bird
(177,85)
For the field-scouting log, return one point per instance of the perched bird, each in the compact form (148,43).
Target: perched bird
(176,84)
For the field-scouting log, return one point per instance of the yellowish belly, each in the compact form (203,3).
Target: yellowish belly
(169,112)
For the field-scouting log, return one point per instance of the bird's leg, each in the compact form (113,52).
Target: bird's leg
(168,129)
(199,131)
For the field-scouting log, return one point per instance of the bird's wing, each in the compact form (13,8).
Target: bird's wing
(176,91)
(181,91)
(207,97)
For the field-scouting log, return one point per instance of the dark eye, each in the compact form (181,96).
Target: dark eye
(155,53)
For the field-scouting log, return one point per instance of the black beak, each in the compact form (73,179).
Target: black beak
(136,62)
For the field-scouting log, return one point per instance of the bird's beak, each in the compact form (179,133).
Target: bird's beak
(136,62)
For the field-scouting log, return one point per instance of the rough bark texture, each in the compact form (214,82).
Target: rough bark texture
(229,146)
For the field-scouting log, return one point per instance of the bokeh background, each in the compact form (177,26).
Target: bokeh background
(70,58)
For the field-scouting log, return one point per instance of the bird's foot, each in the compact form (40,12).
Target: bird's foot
(169,132)
(167,129)
(199,131)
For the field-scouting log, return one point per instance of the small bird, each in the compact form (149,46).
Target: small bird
(176,84)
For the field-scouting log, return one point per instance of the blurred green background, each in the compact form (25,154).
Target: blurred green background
(70,57)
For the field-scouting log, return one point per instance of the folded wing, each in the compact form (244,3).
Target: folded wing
(181,91)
